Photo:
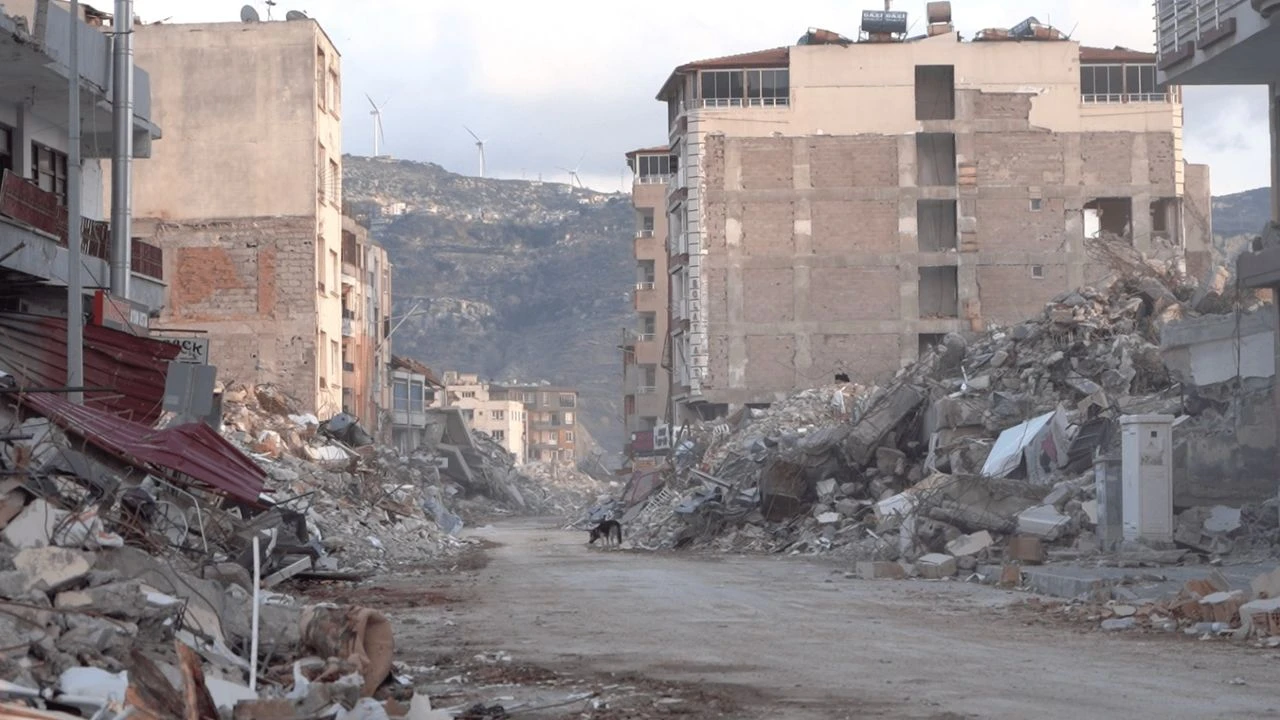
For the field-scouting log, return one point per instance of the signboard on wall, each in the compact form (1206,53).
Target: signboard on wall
(120,313)
(193,350)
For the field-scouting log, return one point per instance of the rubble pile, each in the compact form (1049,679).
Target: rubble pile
(553,489)
(983,451)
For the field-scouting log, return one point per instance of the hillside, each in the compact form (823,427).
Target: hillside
(516,279)
(1242,213)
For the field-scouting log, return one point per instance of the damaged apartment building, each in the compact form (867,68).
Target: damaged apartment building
(122,277)
(246,201)
(835,206)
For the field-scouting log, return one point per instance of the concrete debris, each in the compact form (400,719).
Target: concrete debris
(935,566)
(108,565)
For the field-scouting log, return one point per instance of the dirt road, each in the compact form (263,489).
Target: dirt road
(791,638)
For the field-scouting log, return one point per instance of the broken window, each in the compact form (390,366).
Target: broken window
(936,225)
(935,92)
(939,292)
(935,159)
(1164,219)
(927,341)
(1109,216)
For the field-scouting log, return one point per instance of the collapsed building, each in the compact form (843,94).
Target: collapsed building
(1007,446)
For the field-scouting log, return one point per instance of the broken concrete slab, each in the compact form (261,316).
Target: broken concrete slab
(935,566)
(884,416)
(1042,521)
(1266,585)
(35,526)
(52,568)
(93,636)
(124,600)
(971,544)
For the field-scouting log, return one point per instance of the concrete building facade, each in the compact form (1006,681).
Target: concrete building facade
(646,377)
(34,144)
(366,311)
(551,420)
(490,412)
(246,200)
(414,389)
(837,206)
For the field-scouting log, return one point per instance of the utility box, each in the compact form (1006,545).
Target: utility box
(1108,481)
(1146,451)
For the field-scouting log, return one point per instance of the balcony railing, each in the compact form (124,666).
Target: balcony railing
(646,337)
(646,285)
(644,234)
(646,389)
(1161,97)
(26,202)
(1180,23)
(654,179)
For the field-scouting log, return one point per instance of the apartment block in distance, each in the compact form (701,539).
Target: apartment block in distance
(366,311)
(645,376)
(551,420)
(414,389)
(246,198)
(487,410)
(840,204)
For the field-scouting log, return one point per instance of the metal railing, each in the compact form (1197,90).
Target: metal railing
(648,285)
(646,337)
(1181,22)
(655,179)
(1098,98)
(646,389)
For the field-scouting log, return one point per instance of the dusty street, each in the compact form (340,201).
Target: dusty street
(790,638)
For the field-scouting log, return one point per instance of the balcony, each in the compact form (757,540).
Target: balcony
(654,179)
(348,327)
(646,297)
(1212,42)
(648,349)
(648,247)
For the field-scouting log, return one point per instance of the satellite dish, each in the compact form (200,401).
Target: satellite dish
(295,15)
(249,15)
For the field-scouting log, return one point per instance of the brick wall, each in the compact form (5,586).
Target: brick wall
(770,295)
(857,161)
(1006,222)
(1107,158)
(846,226)
(1002,106)
(251,284)
(766,164)
(853,294)
(1010,294)
(1160,158)
(768,227)
(1026,159)
(868,357)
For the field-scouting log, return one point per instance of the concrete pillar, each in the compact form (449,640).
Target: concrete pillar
(23,135)
(1273,103)
(1146,448)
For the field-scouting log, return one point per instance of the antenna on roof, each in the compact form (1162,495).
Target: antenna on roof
(249,15)
(295,15)
(270,4)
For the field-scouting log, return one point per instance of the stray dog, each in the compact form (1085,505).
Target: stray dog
(610,530)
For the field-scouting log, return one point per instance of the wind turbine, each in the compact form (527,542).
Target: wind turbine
(479,146)
(376,112)
(573,174)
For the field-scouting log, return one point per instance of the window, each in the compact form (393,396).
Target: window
(49,170)
(935,92)
(939,292)
(1120,83)
(335,182)
(568,436)
(646,223)
(6,149)
(415,395)
(531,398)
(499,435)
(467,393)
(567,400)
(469,414)
(322,268)
(334,269)
(321,67)
(335,91)
(935,159)
(499,414)
(322,185)
(936,226)
(735,88)
(768,88)
(568,418)
(655,168)
(1037,272)
(1037,204)
(335,357)
(400,396)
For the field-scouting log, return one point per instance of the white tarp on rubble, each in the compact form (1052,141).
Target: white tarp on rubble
(1041,442)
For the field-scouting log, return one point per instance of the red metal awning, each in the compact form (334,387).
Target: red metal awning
(33,348)
(194,449)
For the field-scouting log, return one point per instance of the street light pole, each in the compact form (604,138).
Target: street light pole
(75,293)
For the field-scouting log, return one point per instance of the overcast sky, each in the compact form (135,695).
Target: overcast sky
(570,83)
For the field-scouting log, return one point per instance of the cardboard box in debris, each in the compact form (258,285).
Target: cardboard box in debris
(127,551)
(986,440)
